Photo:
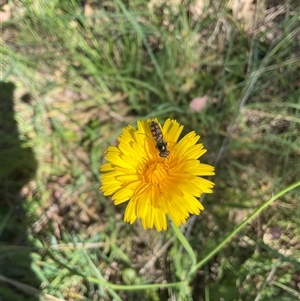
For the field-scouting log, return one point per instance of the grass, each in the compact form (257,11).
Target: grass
(73,76)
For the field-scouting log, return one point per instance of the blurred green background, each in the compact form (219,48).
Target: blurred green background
(74,73)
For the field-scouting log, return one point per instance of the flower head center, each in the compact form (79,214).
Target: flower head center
(154,173)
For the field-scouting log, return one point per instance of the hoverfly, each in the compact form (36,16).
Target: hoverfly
(161,145)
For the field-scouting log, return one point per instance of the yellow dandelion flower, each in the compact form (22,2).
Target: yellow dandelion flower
(157,174)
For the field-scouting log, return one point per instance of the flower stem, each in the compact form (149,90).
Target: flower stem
(184,243)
